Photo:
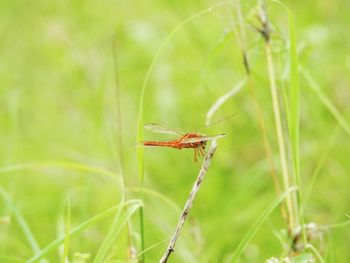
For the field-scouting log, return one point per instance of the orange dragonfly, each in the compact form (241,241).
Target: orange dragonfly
(186,140)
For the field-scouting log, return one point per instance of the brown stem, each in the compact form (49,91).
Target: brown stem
(189,202)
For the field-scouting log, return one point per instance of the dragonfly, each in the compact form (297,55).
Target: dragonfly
(190,140)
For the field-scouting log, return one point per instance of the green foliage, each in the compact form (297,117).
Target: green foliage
(67,133)
(257,224)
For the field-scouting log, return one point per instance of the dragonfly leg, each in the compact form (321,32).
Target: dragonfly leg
(195,154)
(201,150)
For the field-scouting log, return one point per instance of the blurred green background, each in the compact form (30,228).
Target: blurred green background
(59,103)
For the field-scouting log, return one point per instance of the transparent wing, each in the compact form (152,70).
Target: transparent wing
(159,129)
(202,138)
(211,124)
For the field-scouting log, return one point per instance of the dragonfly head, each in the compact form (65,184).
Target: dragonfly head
(203,144)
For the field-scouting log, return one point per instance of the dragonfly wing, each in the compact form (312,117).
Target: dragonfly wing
(159,129)
(211,124)
(202,138)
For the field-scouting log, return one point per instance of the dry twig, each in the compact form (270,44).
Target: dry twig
(189,202)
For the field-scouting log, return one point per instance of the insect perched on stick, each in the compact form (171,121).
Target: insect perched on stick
(192,140)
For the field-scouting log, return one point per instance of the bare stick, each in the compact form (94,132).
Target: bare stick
(189,202)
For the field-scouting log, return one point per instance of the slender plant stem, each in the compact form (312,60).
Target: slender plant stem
(250,83)
(279,131)
(294,123)
(142,229)
(264,136)
(140,150)
(119,136)
(316,253)
(264,30)
(189,202)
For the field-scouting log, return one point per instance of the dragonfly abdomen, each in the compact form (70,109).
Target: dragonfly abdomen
(172,144)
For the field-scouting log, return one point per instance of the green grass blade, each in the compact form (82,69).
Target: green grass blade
(294,123)
(336,225)
(294,101)
(261,219)
(314,175)
(67,165)
(292,109)
(158,195)
(326,101)
(86,224)
(9,259)
(142,232)
(21,221)
(140,122)
(139,254)
(67,236)
(221,100)
(316,253)
(116,227)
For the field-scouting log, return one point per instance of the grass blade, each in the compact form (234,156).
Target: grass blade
(8,259)
(67,165)
(316,253)
(165,199)
(140,122)
(67,236)
(294,121)
(21,221)
(264,30)
(326,101)
(221,100)
(86,224)
(261,219)
(116,227)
